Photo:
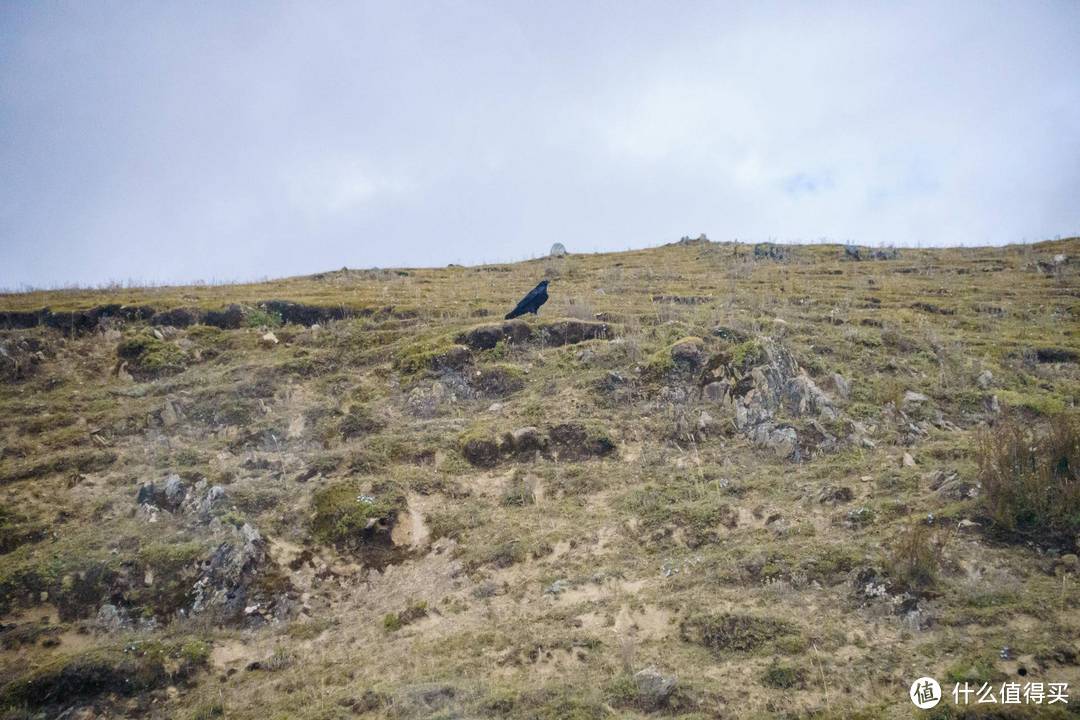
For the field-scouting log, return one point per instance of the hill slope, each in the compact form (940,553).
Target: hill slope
(755,470)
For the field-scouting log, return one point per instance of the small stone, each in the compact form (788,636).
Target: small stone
(557,587)
(1069,563)
(835,494)
(908,460)
(914,398)
(270,338)
(843,387)
(985,378)
(169,416)
(158,335)
(966,525)
(705,421)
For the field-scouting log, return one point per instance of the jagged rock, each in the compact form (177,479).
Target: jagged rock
(716,392)
(422,403)
(112,619)
(835,494)
(769,251)
(557,587)
(939,477)
(857,252)
(705,422)
(558,250)
(806,398)
(147,494)
(783,441)
(759,378)
(19,358)
(957,489)
(687,355)
(169,415)
(233,580)
(175,492)
(842,386)
(653,688)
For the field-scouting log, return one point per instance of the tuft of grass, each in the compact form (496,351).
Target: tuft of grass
(392,622)
(783,677)
(735,632)
(915,560)
(149,357)
(1030,477)
(344,514)
(258,318)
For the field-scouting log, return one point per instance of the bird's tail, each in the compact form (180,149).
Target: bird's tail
(511,315)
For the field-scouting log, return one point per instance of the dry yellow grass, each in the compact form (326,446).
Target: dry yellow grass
(552,575)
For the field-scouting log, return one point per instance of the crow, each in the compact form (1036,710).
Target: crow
(531,302)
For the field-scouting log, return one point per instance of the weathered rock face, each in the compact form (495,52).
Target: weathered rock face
(169,497)
(858,252)
(19,357)
(770,251)
(653,688)
(237,582)
(757,380)
(687,355)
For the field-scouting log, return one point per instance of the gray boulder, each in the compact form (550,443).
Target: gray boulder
(653,688)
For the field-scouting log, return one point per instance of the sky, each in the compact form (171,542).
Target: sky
(209,141)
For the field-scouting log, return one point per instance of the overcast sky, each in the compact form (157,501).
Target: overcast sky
(176,141)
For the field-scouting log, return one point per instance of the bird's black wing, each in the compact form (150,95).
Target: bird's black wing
(526,303)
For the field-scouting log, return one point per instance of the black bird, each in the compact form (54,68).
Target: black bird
(531,302)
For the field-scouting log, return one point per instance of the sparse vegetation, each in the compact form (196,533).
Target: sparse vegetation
(1030,477)
(515,521)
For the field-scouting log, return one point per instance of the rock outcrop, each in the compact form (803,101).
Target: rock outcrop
(759,381)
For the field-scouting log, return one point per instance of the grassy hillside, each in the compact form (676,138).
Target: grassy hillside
(709,480)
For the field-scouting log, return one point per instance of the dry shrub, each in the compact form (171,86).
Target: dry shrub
(1030,477)
(916,560)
